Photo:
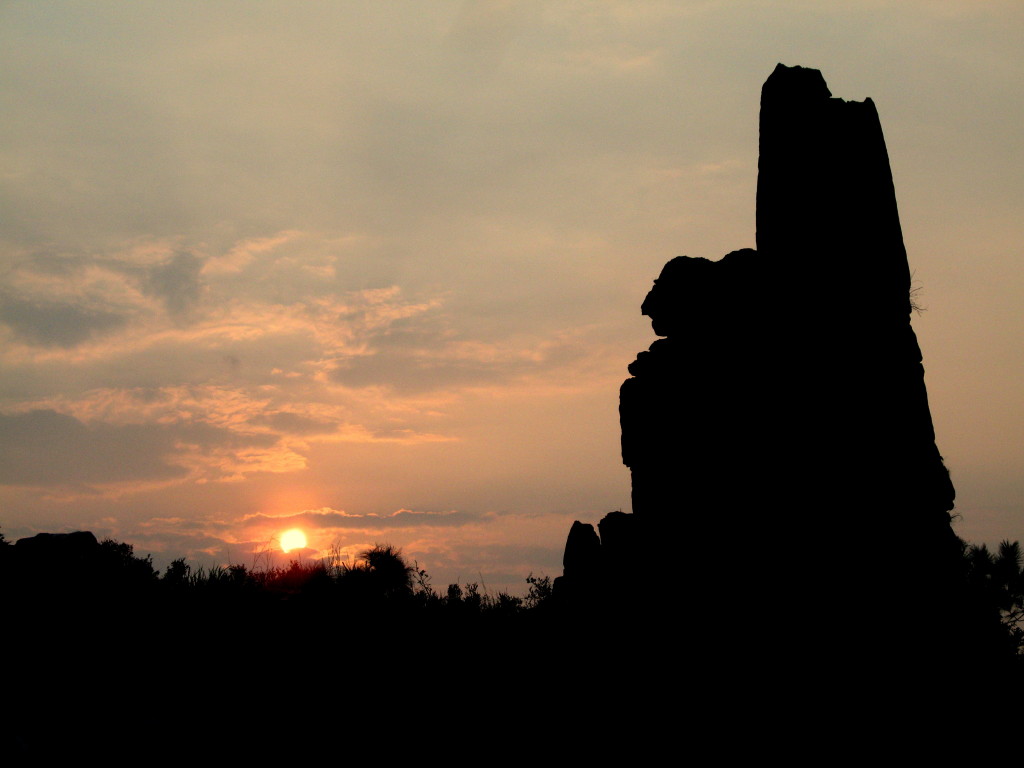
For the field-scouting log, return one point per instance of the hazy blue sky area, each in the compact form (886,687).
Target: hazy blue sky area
(375,269)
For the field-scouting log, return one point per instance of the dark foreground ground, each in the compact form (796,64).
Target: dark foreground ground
(112,662)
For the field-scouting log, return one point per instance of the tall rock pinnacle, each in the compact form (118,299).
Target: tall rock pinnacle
(825,197)
(783,417)
(851,375)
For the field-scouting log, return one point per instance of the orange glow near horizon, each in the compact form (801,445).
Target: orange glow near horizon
(293,539)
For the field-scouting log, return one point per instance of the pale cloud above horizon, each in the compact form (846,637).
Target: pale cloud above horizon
(265,260)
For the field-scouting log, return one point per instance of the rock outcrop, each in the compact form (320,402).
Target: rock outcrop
(779,437)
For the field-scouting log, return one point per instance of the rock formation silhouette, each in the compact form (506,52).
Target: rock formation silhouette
(779,436)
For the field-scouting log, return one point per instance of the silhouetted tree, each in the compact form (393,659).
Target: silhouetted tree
(118,562)
(178,573)
(996,581)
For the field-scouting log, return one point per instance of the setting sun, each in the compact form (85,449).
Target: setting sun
(293,539)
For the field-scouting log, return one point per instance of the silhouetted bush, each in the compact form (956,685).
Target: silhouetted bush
(540,592)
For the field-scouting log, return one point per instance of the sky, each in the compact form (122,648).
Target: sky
(374,270)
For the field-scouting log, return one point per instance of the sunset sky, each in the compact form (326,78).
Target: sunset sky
(373,269)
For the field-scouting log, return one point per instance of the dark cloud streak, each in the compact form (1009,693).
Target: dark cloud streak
(47,448)
(176,283)
(55,324)
(52,449)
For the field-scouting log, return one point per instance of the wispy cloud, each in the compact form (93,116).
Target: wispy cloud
(333,518)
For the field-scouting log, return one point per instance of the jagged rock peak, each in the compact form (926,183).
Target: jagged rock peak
(796,83)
